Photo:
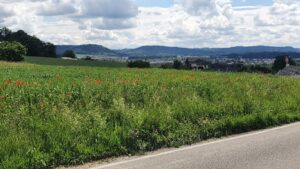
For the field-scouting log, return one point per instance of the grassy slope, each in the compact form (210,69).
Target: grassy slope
(62,62)
(69,115)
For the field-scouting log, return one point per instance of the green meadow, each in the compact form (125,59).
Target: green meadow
(62,62)
(54,115)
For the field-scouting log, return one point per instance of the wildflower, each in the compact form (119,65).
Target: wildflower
(7,82)
(20,83)
(98,82)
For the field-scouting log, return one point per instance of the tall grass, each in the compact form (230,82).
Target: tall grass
(64,62)
(52,116)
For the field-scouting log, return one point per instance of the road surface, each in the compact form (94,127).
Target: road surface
(277,148)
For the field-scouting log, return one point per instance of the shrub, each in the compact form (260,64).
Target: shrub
(280,62)
(88,58)
(12,51)
(177,64)
(69,54)
(35,47)
(167,66)
(138,64)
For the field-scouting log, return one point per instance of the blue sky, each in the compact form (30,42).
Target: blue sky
(167,3)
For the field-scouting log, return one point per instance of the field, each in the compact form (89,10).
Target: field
(51,116)
(62,62)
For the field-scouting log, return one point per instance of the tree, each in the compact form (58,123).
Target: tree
(177,64)
(69,54)
(187,64)
(88,58)
(281,62)
(167,66)
(35,47)
(138,64)
(4,32)
(12,51)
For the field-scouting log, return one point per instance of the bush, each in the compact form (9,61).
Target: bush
(177,64)
(138,64)
(88,58)
(280,62)
(12,51)
(166,66)
(256,69)
(69,54)
(34,46)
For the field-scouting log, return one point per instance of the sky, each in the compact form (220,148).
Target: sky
(121,24)
(169,3)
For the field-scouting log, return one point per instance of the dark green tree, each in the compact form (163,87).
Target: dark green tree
(69,54)
(281,62)
(12,51)
(167,66)
(35,47)
(88,58)
(4,32)
(177,64)
(139,64)
(187,64)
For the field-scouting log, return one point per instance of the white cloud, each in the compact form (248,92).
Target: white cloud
(206,8)
(5,12)
(57,7)
(122,24)
(108,8)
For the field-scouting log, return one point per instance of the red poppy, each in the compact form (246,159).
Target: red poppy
(7,82)
(20,83)
(98,82)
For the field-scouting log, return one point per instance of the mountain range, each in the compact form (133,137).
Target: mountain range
(88,49)
(166,51)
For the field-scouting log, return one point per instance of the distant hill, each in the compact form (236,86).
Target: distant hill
(88,49)
(264,55)
(171,51)
(166,51)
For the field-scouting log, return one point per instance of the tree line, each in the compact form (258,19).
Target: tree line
(279,64)
(34,46)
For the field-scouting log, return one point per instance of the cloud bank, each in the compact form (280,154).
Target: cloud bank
(123,24)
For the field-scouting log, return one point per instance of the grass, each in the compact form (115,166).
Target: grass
(52,116)
(63,62)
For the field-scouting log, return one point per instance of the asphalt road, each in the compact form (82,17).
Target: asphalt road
(277,148)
